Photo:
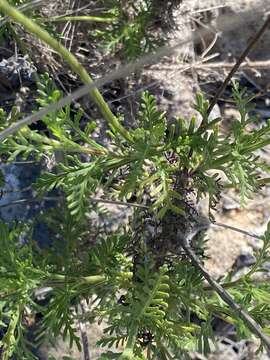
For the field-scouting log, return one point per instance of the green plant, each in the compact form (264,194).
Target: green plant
(138,277)
(144,279)
(43,35)
(130,33)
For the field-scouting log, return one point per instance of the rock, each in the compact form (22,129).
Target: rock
(18,178)
(18,202)
(15,70)
(244,260)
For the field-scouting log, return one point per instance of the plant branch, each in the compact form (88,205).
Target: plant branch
(87,18)
(240,281)
(89,280)
(57,198)
(225,296)
(242,57)
(29,200)
(128,352)
(120,203)
(233,228)
(84,337)
(203,64)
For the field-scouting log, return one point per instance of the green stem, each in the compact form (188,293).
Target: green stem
(89,280)
(264,181)
(128,353)
(226,158)
(219,162)
(64,145)
(9,339)
(98,19)
(256,146)
(75,65)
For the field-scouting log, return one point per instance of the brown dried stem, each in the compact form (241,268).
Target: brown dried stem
(225,296)
(241,59)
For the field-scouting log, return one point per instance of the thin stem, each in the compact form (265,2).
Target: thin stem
(115,202)
(225,296)
(84,337)
(128,352)
(242,57)
(120,203)
(89,280)
(75,65)
(231,284)
(29,200)
(25,189)
(217,164)
(264,181)
(233,228)
(98,19)
(8,339)
(57,198)
(263,64)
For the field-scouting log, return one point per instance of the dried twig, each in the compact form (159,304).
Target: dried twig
(209,28)
(84,336)
(225,296)
(240,281)
(265,64)
(229,65)
(211,8)
(120,203)
(57,198)
(11,191)
(242,57)
(233,228)
(29,200)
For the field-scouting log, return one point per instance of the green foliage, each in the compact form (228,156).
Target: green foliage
(63,131)
(58,317)
(146,290)
(130,33)
(19,278)
(153,161)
